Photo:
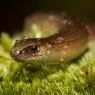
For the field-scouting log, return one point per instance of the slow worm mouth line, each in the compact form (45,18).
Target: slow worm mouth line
(71,38)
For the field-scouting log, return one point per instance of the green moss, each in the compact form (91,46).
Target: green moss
(70,78)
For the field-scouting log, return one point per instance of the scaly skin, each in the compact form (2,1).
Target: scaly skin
(68,43)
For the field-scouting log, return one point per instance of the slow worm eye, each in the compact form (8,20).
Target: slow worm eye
(34,49)
(30,50)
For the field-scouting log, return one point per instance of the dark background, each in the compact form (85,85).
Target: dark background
(13,13)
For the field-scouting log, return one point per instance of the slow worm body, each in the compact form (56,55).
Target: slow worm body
(67,43)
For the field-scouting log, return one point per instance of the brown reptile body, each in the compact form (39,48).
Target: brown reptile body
(68,42)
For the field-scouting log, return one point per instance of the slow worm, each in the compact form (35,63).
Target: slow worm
(68,42)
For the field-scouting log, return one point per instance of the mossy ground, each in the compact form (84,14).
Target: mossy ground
(76,77)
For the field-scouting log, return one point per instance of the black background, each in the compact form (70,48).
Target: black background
(13,12)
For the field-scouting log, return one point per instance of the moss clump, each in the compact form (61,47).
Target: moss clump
(70,78)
